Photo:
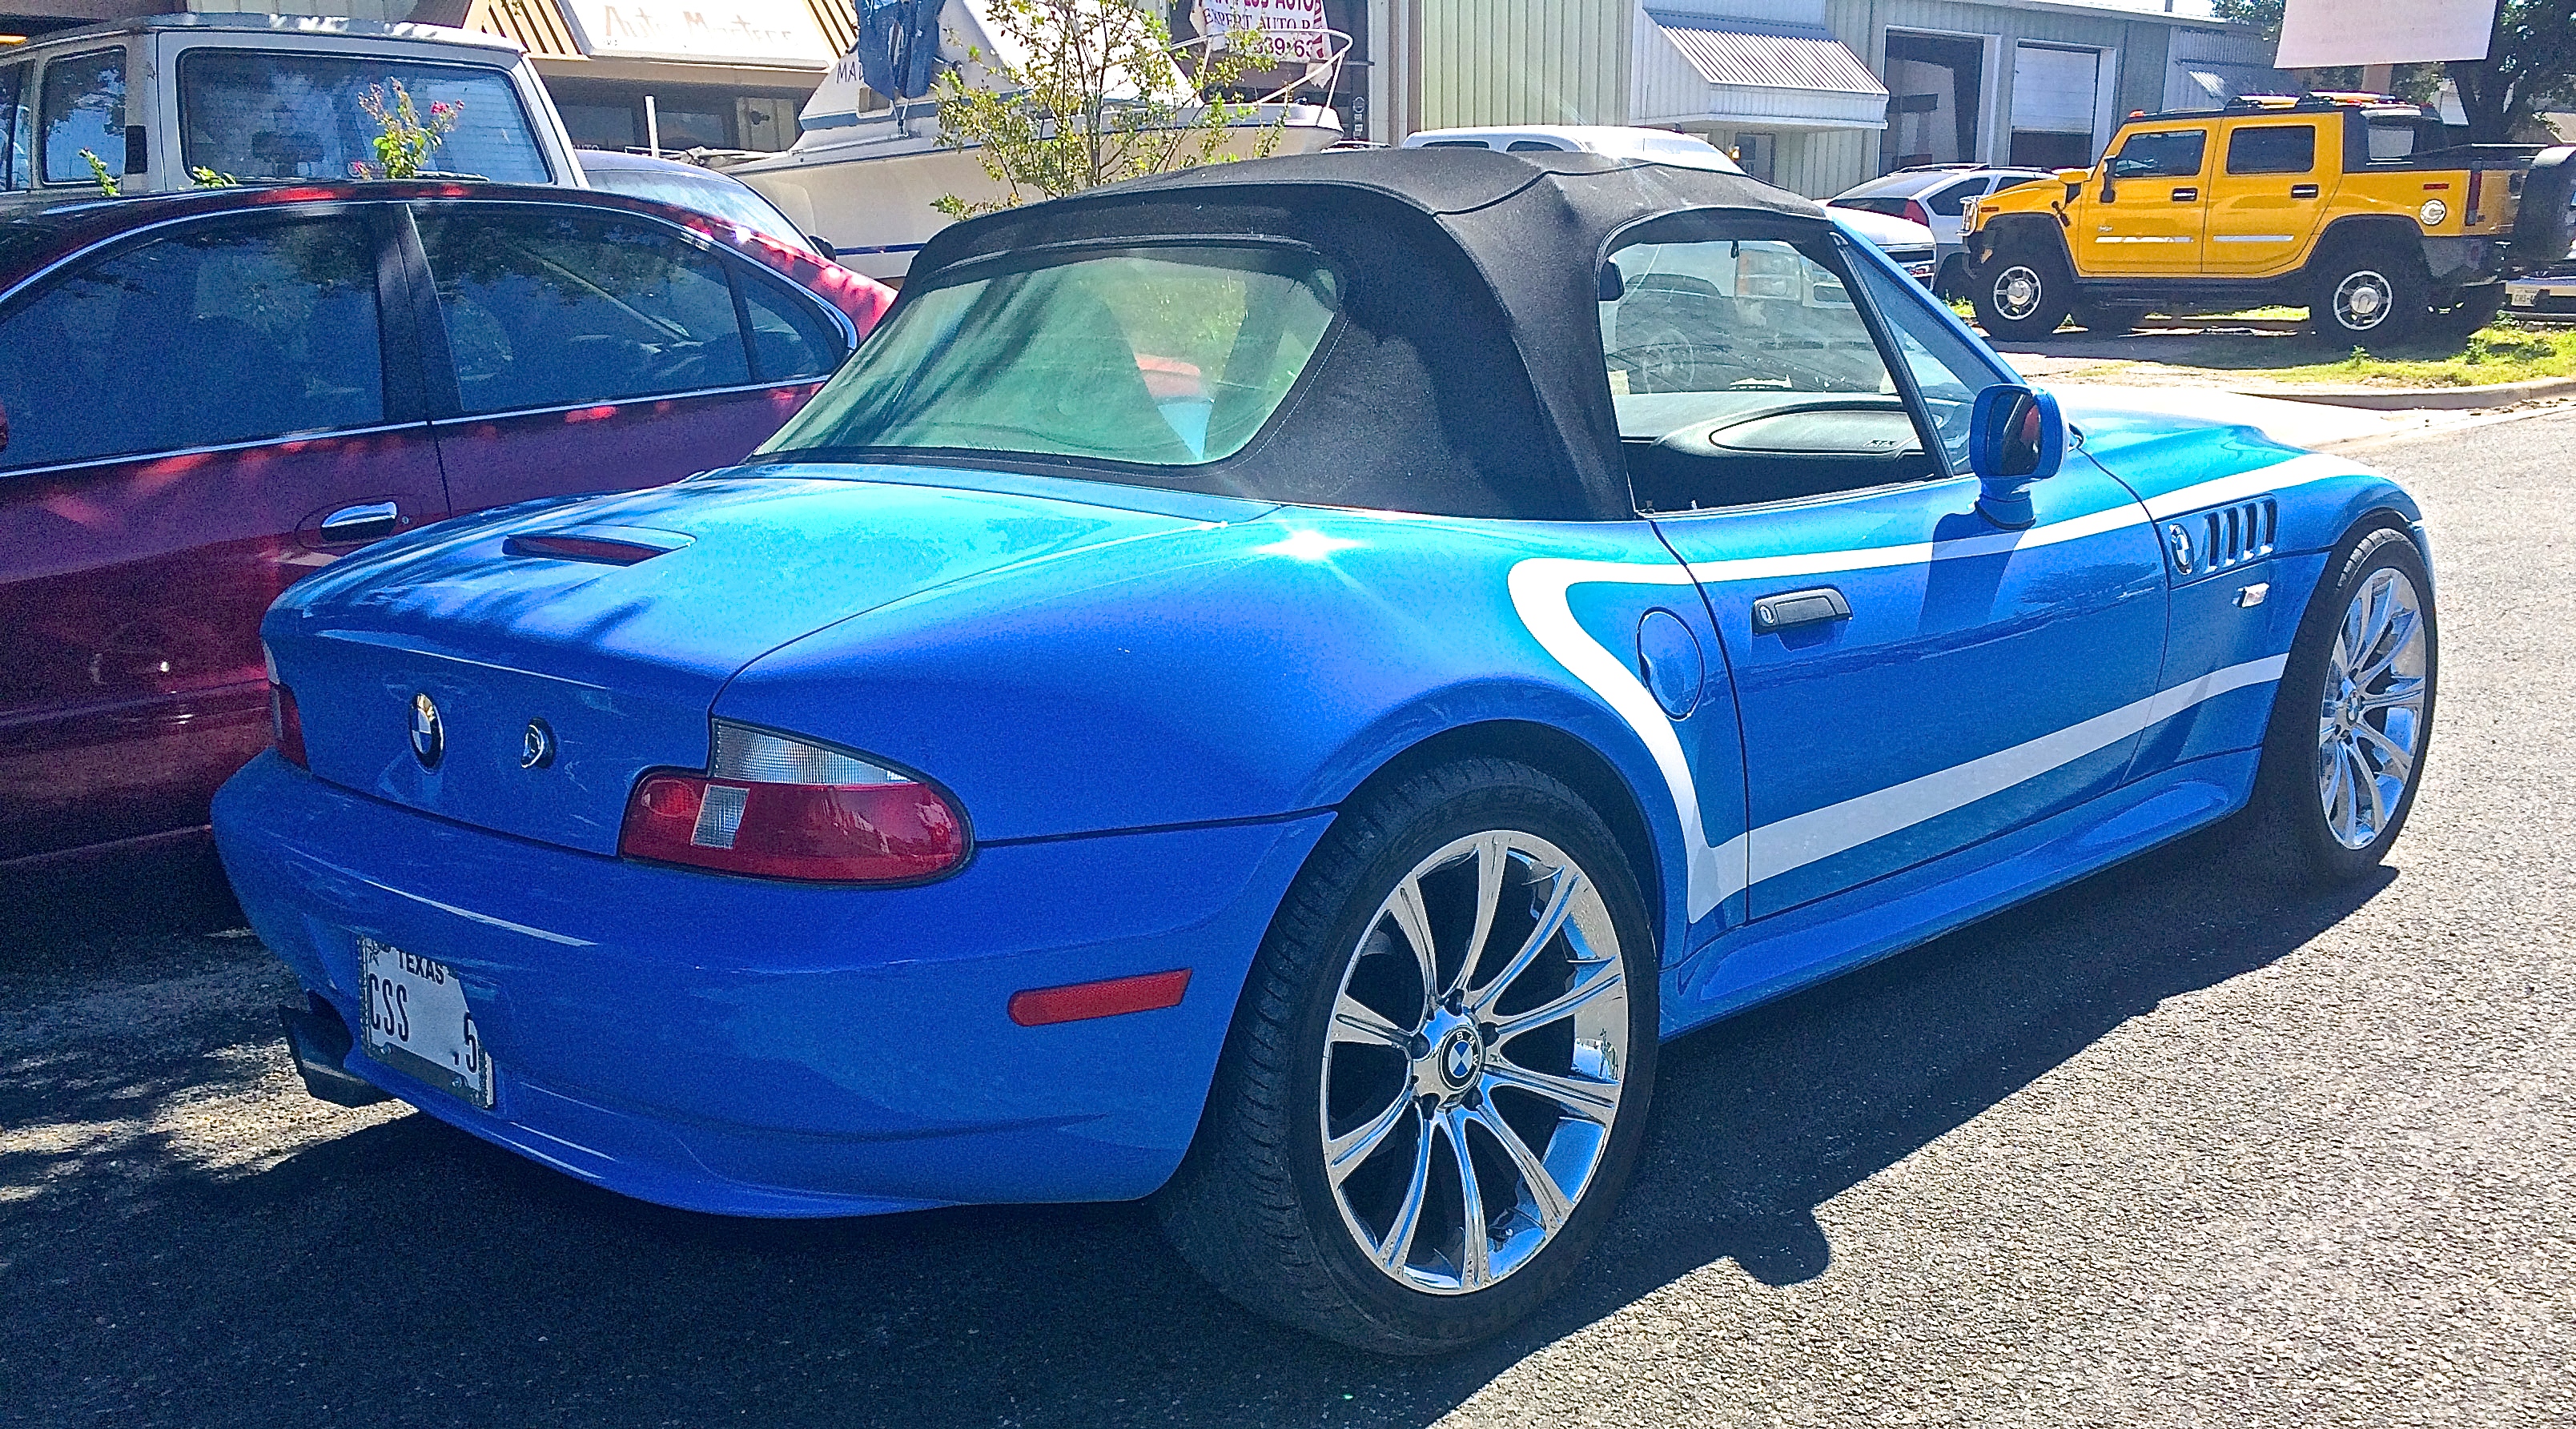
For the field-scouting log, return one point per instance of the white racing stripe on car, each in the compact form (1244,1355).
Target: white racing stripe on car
(1801,839)
(1716,872)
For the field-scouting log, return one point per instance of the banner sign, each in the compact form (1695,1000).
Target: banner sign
(755,32)
(2316,34)
(1294,28)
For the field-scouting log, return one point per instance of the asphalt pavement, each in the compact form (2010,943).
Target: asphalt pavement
(2161,1149)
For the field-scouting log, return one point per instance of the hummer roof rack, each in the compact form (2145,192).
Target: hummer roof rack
(2315,102)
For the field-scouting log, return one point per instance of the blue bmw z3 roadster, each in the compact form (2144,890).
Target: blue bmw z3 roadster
(1272,688)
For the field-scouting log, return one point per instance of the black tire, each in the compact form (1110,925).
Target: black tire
(1952,281)
(2540,217)
(1253,1206)
(2469,310)
(2368,293)
(2288,827)
(2108,319)
(2024,291)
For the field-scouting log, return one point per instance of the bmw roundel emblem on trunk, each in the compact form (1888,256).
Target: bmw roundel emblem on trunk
(428,736)
(536,746)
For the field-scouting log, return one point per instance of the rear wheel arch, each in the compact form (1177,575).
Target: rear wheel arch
(2365,230)
(1552,751)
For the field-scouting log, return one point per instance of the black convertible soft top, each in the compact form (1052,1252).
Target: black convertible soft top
(1467,378)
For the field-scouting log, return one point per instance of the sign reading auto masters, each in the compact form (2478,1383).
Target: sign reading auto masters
(725,31)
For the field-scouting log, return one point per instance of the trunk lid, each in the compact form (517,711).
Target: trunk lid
(611,624)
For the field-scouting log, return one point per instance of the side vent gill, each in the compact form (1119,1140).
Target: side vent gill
(2221,538)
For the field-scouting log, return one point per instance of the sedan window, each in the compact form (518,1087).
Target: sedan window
(83,108)
(1951,201)
(553,310)
(216,336)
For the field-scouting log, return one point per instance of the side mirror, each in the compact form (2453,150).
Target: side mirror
(823,246)
(1614,284)
(2015,437)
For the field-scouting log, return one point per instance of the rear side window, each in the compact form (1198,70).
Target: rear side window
(83,108)
(1892,207)
(2272,149)
(1952,201)
(213,336)
(789,339)
(2161,154)
(556,310)
(1533,146)
(1163,356)
(261,114)
(712,195)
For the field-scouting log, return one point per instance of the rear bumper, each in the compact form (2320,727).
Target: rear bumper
(752,1048)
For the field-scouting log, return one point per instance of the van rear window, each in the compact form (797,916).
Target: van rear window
(266,114)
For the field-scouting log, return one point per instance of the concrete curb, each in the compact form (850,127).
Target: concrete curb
(2416,399)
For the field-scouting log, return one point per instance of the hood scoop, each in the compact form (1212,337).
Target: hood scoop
(599,545)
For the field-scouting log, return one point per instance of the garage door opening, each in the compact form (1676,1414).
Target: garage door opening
(1935,89)
(2056,94)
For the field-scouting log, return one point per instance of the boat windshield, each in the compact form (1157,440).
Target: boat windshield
(1161,356)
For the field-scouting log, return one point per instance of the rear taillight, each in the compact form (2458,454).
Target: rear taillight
(774,807)
(1915,212)
(285,726)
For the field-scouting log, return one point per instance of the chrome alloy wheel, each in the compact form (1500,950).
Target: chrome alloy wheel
(2017,291)
(1472,1071)
(2370,720)
(2363,300)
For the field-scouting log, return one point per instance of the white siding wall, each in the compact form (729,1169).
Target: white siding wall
(1522,62)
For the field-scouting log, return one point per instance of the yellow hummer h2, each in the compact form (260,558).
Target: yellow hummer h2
(2344,203)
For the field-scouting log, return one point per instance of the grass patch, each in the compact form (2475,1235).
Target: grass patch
(2503,351)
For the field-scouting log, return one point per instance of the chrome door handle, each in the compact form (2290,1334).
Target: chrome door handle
(2303,190)
(2186,195)
(1799,607)
(373,521)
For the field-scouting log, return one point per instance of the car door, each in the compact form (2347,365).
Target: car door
(221,408)
(2149,208)
(1911,678)
(2264,198)
(585,349)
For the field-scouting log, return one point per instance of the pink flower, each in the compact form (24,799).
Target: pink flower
(357,170)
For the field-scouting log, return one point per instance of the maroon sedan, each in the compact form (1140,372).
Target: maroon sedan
(205,397)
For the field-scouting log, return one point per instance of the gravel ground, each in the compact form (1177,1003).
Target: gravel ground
(2156,1150)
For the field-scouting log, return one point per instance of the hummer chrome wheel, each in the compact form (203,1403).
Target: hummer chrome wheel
(2017,291)
(1472,1071)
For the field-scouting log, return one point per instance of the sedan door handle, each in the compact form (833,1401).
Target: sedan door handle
(2186,195)
(373,521)
(1773,613)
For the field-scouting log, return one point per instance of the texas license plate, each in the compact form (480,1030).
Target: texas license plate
(416,1021)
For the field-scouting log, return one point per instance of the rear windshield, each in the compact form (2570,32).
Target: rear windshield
(716,197)
(1166,356)
(264,114)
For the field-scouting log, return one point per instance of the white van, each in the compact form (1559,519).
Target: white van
(260,98)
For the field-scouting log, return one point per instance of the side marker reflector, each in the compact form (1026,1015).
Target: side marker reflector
(1077,1002)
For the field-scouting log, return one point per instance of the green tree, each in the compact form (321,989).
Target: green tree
(1101,95)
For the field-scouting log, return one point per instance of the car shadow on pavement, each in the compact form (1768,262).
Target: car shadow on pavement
(408,1273)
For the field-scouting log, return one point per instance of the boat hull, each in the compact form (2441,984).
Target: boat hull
(867,188)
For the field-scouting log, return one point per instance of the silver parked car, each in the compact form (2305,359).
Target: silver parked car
(1936,196)
(691,187)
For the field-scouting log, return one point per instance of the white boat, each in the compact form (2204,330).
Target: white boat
(864,179)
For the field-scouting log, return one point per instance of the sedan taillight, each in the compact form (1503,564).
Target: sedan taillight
(774,807)
(285,726)
(1918,213)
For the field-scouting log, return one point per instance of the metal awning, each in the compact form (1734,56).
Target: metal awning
(1702,68)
